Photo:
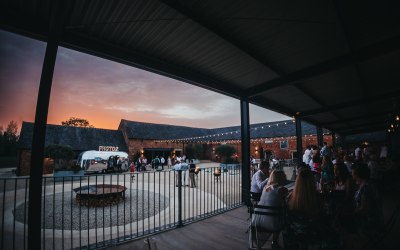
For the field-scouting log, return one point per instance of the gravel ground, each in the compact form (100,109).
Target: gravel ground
(60,208)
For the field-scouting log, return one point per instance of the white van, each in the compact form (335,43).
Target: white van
(98,161)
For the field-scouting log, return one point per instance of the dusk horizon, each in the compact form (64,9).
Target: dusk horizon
(104,92)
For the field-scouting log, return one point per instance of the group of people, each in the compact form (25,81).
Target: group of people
(183,167)
(321,161)
(117,163)
(157,163)
(328,205)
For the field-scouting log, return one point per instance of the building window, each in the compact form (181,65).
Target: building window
(284,144)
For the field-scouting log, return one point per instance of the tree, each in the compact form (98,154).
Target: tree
(59,153)
(225,151)
(77,122)
(9,139)
(1,141)
(194,151)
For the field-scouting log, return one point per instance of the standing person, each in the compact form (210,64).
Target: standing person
(169,162)
(326,151)
(192,169)
(162,160)
(132,170)
(368,214)
(138,164)
(117,162)
(326,170)
(156,163)
(110,162)
(126,162)
(182,167)
(183,158)
(307,155)
(252,164)
(348,162)
(144,163)
(358,154)
(259,180)
(384,152)
(345,183)
(316,168)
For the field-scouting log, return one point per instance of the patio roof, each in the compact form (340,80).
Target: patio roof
(331,63)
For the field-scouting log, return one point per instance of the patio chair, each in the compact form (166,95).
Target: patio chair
(378,242)
(309,232)
(261,227)
(254,199)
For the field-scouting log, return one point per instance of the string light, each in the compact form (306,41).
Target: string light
(213,137)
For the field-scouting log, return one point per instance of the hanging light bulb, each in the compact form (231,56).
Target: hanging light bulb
(397,118)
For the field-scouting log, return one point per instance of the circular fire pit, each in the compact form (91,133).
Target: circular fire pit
(99,195)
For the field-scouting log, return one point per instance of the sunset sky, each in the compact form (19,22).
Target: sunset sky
(104,92)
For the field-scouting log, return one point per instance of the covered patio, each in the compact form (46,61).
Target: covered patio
(333,64)
(230,231)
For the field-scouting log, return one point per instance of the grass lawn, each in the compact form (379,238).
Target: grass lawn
(8,161)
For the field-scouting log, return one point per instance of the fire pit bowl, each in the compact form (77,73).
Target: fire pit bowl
(100,195)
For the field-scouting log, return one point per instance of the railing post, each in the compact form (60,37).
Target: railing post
(180,224)
(38,142)
(320,136)
(299,146)
(245,137)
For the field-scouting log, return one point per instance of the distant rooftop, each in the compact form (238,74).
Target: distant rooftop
(91,138)
(76,137)
(152,131)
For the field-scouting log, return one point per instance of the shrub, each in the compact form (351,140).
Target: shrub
(61,155)
(225,151)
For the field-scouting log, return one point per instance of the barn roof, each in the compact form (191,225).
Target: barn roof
(78,138)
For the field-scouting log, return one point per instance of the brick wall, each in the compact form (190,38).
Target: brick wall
(285,153)
(24,163)
(136,145)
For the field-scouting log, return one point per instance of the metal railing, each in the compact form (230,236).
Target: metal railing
(154,201)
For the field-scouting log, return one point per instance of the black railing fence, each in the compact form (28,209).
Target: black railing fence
(95,211)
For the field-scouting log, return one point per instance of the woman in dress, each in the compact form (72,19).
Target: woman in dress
(343,196)
(307,224)
(274,194)
(368,205)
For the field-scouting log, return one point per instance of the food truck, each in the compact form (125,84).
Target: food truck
(93,161)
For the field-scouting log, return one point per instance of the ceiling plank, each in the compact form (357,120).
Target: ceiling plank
(316,99)
(355,118)
(366,53)
(271,105)
(268,104)
(366,129)
(25,24)
(394,94)
(212,25)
